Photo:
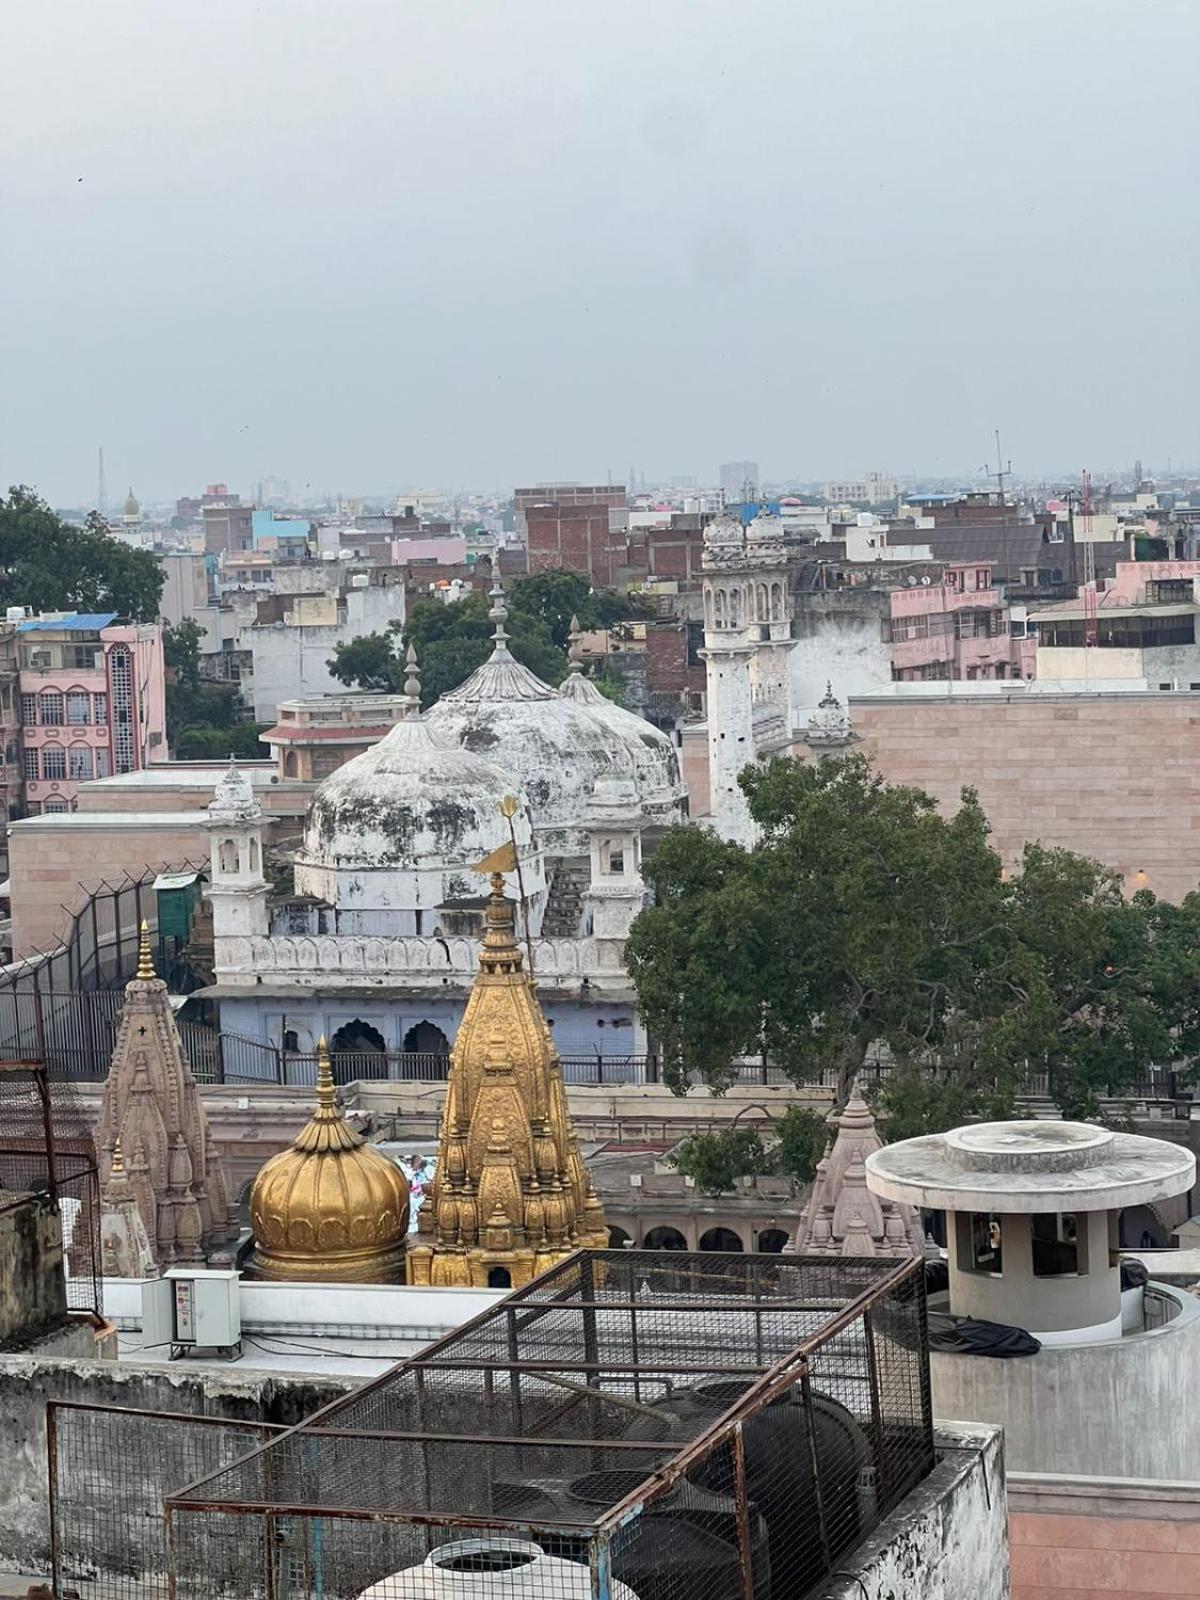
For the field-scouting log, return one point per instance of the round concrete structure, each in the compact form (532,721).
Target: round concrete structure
(1030,1166)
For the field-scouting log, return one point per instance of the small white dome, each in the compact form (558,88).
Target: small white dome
(233,799)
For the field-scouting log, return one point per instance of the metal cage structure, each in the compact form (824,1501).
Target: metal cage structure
(46,1147)
(630,1424)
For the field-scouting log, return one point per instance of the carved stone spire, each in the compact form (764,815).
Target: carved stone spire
(151,1109)
(843,1217)
(511,1195)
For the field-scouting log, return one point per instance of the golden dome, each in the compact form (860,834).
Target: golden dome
(330,1208)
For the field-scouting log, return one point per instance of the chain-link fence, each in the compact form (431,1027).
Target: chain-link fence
(46,1148)
(692,1427)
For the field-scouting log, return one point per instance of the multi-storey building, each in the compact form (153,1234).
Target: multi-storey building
(957,626)
(93,702)
(315,737)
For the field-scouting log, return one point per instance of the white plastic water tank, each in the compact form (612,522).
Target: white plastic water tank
(493,1567)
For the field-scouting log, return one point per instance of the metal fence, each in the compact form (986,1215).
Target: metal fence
(107,1469)
(46,1148)
(692,1427)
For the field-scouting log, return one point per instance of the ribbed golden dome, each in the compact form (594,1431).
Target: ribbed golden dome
(329,1209)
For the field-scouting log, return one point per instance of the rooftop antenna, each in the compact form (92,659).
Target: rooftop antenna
(101,492)
(1002,471)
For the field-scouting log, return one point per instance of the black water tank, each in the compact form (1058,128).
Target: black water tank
(780,1450)
(683,1544)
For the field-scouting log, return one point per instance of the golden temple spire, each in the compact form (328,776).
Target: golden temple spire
(117,1170)
(145,967)
(511,1195)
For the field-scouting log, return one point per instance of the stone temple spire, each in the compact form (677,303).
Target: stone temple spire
(412,684)
(151,1110)
(843,1217)
(511,1195)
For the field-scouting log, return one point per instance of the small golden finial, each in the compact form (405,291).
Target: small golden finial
(145,968)
(118,1160)
(326,1097)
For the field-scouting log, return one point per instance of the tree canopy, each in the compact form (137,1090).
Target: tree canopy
(453,639)
(866,925)
(50,565)
(203,720)
(716,1158)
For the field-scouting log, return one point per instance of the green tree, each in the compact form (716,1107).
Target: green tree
(865,924)
(801,1136)
(452,640)
(716,1160)
(50,565)
(204,721)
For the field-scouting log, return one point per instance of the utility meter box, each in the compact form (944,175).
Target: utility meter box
(192,1306)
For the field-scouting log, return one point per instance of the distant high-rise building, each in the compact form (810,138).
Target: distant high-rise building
(739,482)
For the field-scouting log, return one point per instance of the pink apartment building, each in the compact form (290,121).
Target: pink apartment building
(92,702)
(958,627)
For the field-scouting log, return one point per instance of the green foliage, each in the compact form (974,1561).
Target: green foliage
(866,922)
(203,719)
(452,640)
(50,565)
(716,1160)
(801,1137)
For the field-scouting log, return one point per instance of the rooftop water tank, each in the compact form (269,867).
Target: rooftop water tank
(492,1567)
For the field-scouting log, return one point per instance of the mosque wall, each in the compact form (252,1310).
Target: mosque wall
(578,1028)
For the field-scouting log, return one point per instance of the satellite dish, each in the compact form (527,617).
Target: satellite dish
(927,581)
(910,580)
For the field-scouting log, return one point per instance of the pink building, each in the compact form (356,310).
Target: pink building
(959,627)
(93,702)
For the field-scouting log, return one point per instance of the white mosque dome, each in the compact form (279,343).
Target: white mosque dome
(400,828)
(554,748)
(650,756)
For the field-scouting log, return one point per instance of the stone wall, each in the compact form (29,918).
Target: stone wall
(122,1474)
(1115,776)
(33,1290)
(1089,1538)
(947,1540)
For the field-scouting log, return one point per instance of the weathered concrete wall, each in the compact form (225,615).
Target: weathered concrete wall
(1116,1408)
(947,1540)
(839,639)
(120,1472)
(33,1289)
(1090,1538)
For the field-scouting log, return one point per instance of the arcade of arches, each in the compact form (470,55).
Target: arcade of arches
(741,1234)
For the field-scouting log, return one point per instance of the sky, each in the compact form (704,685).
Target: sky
(376,244)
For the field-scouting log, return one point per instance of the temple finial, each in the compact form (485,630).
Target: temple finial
(575,641)
(326,1097)
(412,683)
(118,1160)
(145,966)
(499,615)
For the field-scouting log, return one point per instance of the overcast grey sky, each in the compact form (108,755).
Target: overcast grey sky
(372,243)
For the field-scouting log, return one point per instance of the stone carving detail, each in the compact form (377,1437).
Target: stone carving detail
(151,1107)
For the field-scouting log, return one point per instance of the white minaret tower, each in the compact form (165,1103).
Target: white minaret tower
(237,888)
(616,891)
(729,650)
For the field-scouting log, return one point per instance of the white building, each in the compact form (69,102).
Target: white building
(377,948)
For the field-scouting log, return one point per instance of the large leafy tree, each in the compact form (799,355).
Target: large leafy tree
(866,925)
(52,566)
(452,640)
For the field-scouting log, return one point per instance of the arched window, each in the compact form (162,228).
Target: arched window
(708,608)
(664,1238)
(720,1239)
(776,602)
(291,764)
(253,852)
(499,1278)
(54,761)
(81,762)
(735,608)
(227,855)
(50,708)
(760,603)
(771,1241)
(719,602)
(79,708)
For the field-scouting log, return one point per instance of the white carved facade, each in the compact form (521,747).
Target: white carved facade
(747,640)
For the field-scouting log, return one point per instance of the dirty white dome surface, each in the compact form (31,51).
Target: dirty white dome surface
(554,748)
(652,757)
